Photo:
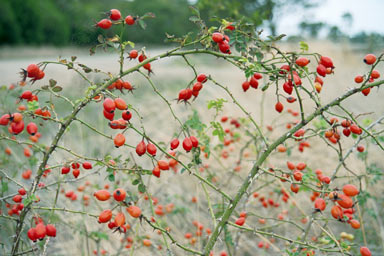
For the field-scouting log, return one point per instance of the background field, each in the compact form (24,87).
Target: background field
(169,77)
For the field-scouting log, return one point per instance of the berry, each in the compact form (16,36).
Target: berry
(32,128)
(369,59)
(104,24)
(187,144)
(87,165)
(201,78)
(109,105)
(321,70)
(350,190)
(102,195)
(105,216)
(130,20)
(151,149)
(33,70)
(218,37)
(141,148)
(279,107)
(119,194)
(320,204)
(65,170)
(359,79)
(302,61)
(119,140)
(133,54)
(134,211)
(114,14)
(326,62)
(175,143)
(50,230)
(364,251)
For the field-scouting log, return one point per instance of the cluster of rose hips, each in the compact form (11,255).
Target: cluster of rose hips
(40,231)
(186,94)
(253,82)
(75,168)
(115,15)
(222,41)
(119,220)
(369,59)
(343,210)
(17,124)
(348,128)
(34,72)
(120,85)
(16,208)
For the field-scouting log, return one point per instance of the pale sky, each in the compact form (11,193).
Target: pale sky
(368,15)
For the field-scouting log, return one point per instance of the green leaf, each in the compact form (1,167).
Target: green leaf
(33,105)
(52,82)
(111,177)
(303,46)
(142,24)
(57,89)
(141,188)
(99,235)
(135,182)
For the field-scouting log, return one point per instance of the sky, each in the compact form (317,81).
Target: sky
(368,15)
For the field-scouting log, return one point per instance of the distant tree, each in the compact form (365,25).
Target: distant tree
(258,12)
(312,29)
(335,34)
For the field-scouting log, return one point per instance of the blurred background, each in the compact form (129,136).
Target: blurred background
(69,22)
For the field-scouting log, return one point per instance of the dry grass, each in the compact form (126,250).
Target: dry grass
(170,76)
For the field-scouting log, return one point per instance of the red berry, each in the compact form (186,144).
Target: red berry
(105,216)
(33,70)
(104,24)
(119,194)
(320,204)
(321,70)
(133,54)
(364,251)
(40,231)
(109,105)
(245,86)
(224,47)
(26,95)
(174,143)
(302,61)
(279,107)
(240,221)
(326,62)
(187,144)
(76,173)
(370,59)
(32,234)
(218,37)
(32,128)
(195,142)
(102,195)
(359,79)
(87,165)
(114,14)
(141,148)
(151,149)
(130,20)
(50,230)
(119,140)
(156,171)
(202,78)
